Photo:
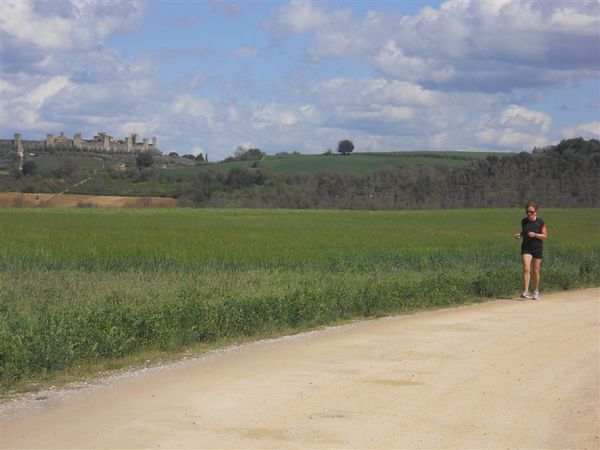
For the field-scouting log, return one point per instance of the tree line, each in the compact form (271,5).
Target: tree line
(565,175)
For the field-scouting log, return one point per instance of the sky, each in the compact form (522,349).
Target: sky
(208,76)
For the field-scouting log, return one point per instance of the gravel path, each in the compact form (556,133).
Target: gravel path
(503,374)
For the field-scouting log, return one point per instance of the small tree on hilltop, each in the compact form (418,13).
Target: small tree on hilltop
(246,154)
(345,147)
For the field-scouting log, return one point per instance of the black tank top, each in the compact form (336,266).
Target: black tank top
(535,226)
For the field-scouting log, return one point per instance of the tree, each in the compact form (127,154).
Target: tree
(29,168)
(345,147)
(254,153)
(246,154)
(174,155)
(67,169)
(144,159)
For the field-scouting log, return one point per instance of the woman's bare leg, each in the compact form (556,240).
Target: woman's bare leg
(536,273)
(526,271)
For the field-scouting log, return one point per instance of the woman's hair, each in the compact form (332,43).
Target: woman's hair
(533,204)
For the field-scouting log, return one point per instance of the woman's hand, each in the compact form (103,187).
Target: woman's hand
(531,234)
(517,235)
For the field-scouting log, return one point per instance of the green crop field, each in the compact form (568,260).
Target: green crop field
(358,164)
(89,285)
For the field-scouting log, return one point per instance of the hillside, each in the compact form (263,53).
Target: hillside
(564,175)
(285,163)
(357,164)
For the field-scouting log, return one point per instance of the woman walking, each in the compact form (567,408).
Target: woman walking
(533,233)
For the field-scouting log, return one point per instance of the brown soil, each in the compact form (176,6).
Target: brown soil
(17,199)
(503,374)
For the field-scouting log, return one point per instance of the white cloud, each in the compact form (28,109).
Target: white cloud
(278,115)
(459,76)
(394,92)
(391,60)
(521,118)
(144,129)
(197,150)
(514,128)
(22,103)
(381,113)
(200,109)
(81,25)
(589,130)
(44,91)
(463,45)
(298,16)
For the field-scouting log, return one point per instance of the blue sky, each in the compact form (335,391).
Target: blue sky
(208,76)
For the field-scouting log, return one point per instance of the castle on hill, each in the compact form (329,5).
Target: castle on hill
(100,142)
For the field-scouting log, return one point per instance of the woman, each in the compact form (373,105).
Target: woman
(533,232)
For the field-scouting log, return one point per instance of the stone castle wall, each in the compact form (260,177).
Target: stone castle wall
(100,142)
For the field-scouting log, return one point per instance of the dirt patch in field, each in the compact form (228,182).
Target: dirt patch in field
(21,200)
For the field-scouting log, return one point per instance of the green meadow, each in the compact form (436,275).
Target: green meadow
(362,164)
(82,286)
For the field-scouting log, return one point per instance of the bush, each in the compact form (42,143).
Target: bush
(29,168)
(144,159)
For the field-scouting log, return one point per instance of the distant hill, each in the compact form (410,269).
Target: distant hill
(361,164)
(565,175)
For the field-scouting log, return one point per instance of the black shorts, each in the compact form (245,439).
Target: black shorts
(535,251)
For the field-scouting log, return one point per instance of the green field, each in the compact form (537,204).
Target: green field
(85,286)
(358,164)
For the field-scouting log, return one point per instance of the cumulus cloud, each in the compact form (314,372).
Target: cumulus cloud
(514,127)
(66,25)
(25,102)
(199,109)
(462,44)
(298,16)
(279,115)
(60,74)
(589,130)
(463,75)
(370,91)
(521,118)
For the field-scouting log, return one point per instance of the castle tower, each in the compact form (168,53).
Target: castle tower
(154,142)
(20,150)
(145,145)
(77,142)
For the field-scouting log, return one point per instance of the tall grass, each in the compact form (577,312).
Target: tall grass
(84,285)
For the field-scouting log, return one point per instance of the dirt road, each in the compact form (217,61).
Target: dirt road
(22,200)
(504,374)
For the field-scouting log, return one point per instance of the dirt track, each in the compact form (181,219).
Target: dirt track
(17,199)
(504,374)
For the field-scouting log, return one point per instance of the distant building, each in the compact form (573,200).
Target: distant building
(100,142)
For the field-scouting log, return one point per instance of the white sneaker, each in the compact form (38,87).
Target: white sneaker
(536,295)
(525,294)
